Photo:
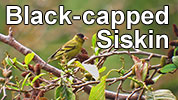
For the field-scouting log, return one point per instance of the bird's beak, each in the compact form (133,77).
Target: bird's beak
(85,38)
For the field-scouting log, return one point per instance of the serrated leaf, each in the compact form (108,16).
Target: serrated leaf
(25,79)
(102,69)
(37,77)
(175,60)
(99,90)
(94,41)
(64,93)
(168,68)
(28,58)
(162,94)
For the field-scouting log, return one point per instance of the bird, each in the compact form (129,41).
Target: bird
(70,49)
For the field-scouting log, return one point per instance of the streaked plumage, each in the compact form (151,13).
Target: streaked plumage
(69,49)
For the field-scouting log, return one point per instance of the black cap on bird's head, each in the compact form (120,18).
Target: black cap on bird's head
(82,36)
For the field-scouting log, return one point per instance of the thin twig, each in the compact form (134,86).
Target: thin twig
(123,52)
(4,93)
(133,92)
(118,89)
(141,93)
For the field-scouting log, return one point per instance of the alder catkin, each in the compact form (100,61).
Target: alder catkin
(170,53)
(24,74)
(173,43)
(37,69)
(30,67)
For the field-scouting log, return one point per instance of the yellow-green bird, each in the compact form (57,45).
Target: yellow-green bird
(69,49)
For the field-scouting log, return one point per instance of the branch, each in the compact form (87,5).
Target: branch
(24,50)
(123,52)
(49,68)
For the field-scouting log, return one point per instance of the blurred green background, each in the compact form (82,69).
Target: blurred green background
(45,39)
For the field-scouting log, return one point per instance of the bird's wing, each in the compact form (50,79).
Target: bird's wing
(69,46)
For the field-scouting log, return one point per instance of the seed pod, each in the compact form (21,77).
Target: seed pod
(37,69)
(27,95)
(84,51)
(30,67)
(31,78)
(24,74)
(173,43)
(36,83)
(6,73)
(149,82)
(82,57)
(170,53)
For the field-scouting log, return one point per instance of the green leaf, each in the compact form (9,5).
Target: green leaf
(25,79)
(162,94)
(102,69)
(29,57)
(168,68)
(8,61)
(94,41)
(175,60)
(98,92)
(37,77)
(100,88)
(64,93)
